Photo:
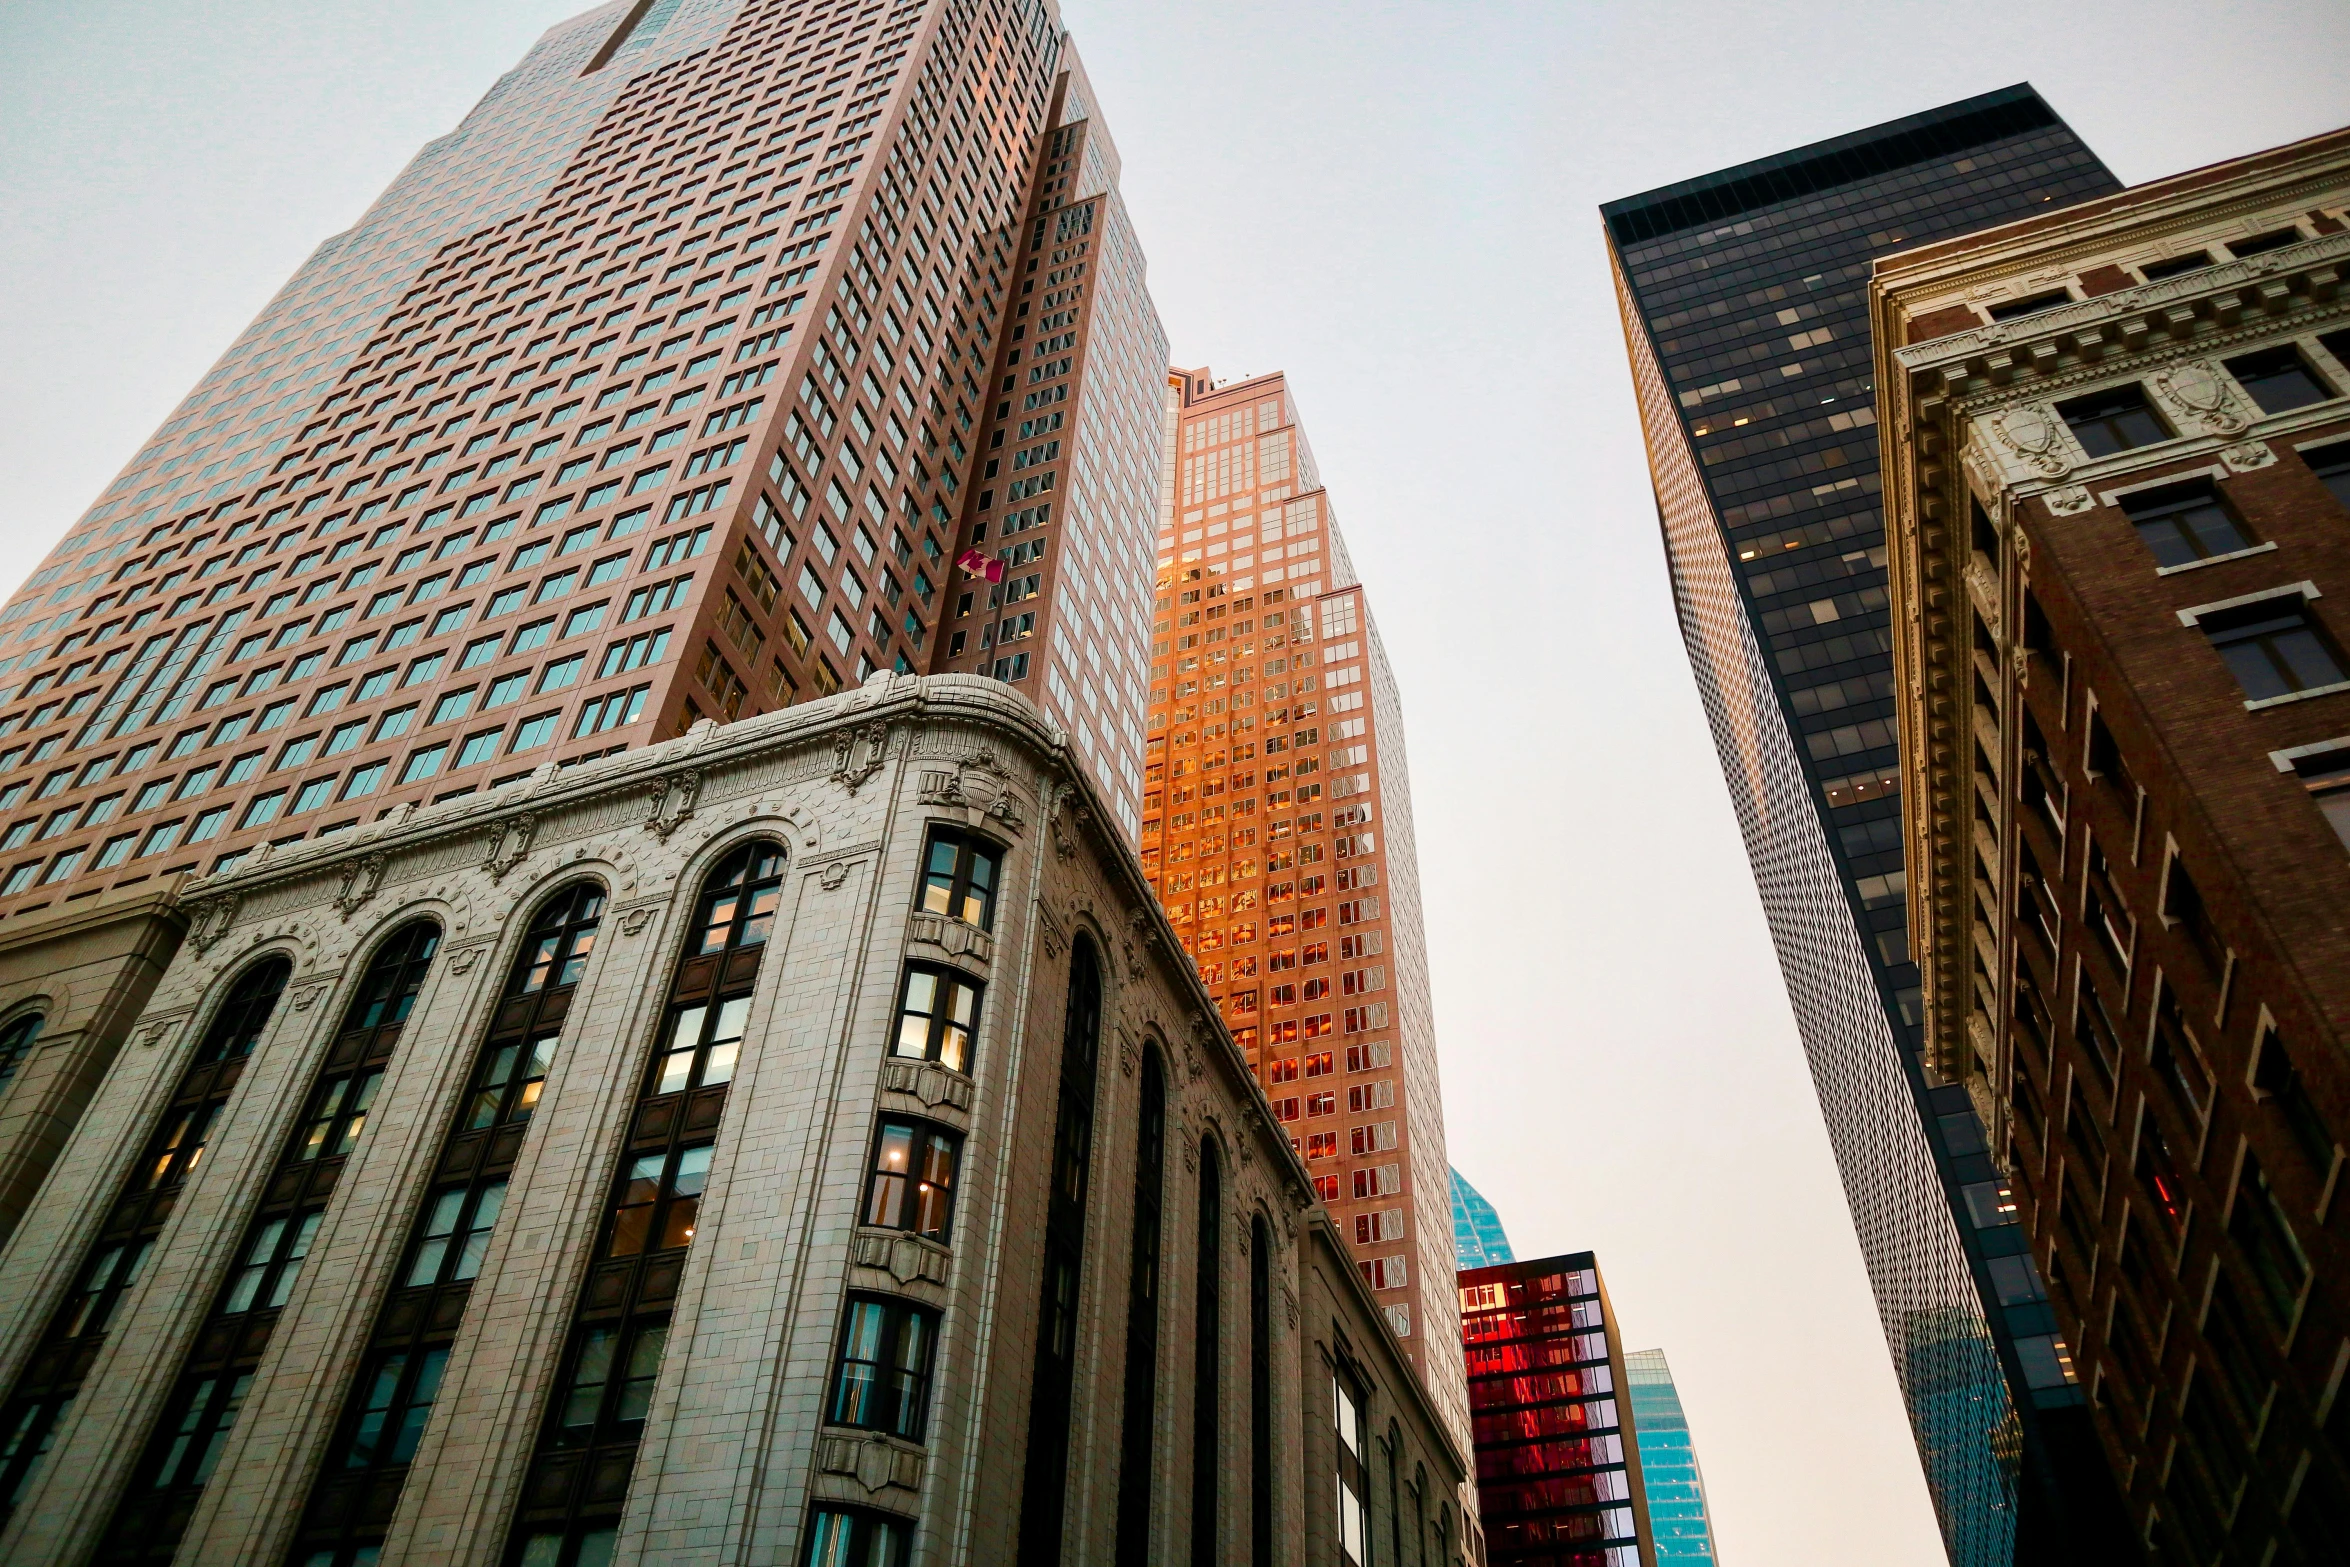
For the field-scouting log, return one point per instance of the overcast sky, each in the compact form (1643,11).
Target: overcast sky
(1392,200)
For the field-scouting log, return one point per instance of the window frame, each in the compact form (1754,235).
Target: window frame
(940,1023)
(906,1179)
(955,885)
(898,1411)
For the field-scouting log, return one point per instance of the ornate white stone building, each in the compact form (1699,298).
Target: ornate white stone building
(851,1168)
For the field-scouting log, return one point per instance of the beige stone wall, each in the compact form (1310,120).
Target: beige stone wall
(735,1450)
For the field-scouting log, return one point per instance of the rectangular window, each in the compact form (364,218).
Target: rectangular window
(660,1194)
(398,1400)
(1354,1474)
(265,1276)
(534,731)
(2274,647)
(703,1047)
(609,1392)
(938,1009)
(883,1383)
(456,1234)
(479,747)
(959,877)
(2186,523)
(913,1179)
(2277,379)
(365,780)
(2115,420)
(423,763)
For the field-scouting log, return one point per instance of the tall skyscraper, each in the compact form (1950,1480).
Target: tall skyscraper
(803,1141)
(1277,826)
(2118,534)
(1743,295)
(654,392)
(1675,1486)
(1065,504)
(1477,1236)
(1558,1474)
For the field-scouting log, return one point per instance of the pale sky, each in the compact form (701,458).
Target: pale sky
(1394,201)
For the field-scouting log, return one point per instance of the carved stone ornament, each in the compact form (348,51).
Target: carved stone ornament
(2247,456)
(2196,391)
(956,937)
(1067,821)
(903,1257)
(833,875)
(509,843)
(927,1081)
(361,879)
(210,920)
(462,960)
(632,921)
(672,803)
(1289,1305)
(2070,501)
(2034,434)
(873,1461)
(152,1035)
(857,755)
(1126,1053)
(308,994)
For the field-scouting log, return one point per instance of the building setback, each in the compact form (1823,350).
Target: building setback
(1744,300)
(652,393)
(2120,552)
(1558,1472)
(1680,1527)
(1277,828)
(799,1141)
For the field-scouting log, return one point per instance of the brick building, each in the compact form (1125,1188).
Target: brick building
(803,1140)
(1277,827)
(2116,444)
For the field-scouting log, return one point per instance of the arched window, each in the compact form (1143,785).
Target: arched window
(1044,1488)
(1260,1391)
(620,1324)
(1395,1493)
(1140,1418)
(389,1402)
(16,1042)
(1207,1393)
(149,1190)
(218,1372)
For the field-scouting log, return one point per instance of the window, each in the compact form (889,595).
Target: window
(478,747)
(937,1011)
(399,1397)
(2332,465)
(704,1044)
(192,1441)
(1207,1360)
(2274,647)
(264,1277)
(2114,420)
(2177,266)
(2186,523)
(660,1195)
(839,1537)
(883,1381)
(562,940)
(456,1234)
(1138,1420)
(739,909)
(506,1086)
(338,1113)
(959,878)
(535,730)
(913,1184)
(1354,1472)
(16,1042)
(612,710)
(2013,308)
(610,1388)
(2277,379)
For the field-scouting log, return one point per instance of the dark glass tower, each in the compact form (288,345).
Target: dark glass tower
(1745,312)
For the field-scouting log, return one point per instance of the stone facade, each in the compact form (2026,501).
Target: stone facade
(2117,458)
(730,1455)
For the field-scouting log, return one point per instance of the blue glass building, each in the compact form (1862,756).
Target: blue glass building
(1678,1526)
(1477,1237)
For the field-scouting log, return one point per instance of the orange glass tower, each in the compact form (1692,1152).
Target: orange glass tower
(1277,828)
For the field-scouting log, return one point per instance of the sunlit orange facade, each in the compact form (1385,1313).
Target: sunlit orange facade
(1277,829)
